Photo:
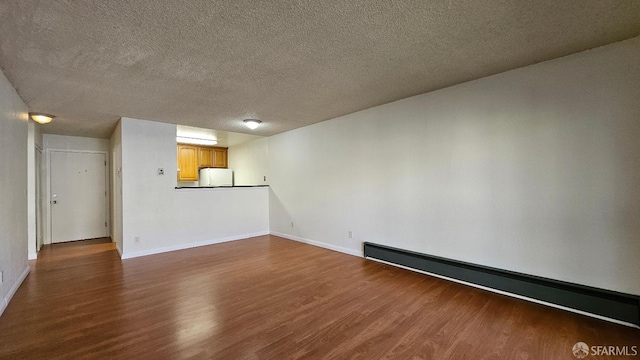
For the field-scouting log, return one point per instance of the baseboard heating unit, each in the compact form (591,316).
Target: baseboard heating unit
(610,305)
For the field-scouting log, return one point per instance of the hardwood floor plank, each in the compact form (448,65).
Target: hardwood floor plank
(271,298)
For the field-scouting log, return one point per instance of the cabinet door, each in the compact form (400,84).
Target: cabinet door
(220,157)
(205,156)
(187,162)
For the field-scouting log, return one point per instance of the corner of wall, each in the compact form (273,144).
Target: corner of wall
(342,249)
(14,213)
(5,301)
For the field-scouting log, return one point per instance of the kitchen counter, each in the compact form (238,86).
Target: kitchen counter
(219,187)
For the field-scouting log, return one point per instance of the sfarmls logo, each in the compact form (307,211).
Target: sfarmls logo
(582,350)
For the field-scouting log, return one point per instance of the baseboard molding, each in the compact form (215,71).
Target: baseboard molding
(32,256)
(341,249)
(190,245)
(119,250)
(13,289)
(599,303)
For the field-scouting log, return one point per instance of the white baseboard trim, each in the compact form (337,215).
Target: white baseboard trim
(14,288)
(33,256)
(190,245)
(344,250)
(119,250)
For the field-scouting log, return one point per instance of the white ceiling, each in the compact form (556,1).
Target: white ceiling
(213,63)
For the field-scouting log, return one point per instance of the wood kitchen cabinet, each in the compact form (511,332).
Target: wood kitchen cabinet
(212,157)
(187,162)
(193,157)
(205,156)
(220,157)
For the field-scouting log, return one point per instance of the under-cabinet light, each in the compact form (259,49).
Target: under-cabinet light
(195,141)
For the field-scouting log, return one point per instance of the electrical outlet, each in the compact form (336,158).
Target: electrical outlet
(350,235)
(136,239)
(264,178)
(292,224)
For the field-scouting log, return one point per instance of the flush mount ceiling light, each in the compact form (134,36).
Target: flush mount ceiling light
(41,118)
(196,140)
(252,123)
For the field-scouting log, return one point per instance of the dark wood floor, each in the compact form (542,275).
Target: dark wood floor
(271,298)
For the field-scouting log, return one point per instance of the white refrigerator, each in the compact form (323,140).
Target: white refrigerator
(215,177)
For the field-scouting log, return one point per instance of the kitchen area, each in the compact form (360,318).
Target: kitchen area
(211,158)
(161,211)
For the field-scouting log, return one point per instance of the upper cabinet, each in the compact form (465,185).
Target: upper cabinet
(187,162)
(193,157)
(205,156)
(220,157)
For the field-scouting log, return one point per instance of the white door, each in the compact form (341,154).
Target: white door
(78,196)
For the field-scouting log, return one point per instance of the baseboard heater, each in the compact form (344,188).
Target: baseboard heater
(604,303)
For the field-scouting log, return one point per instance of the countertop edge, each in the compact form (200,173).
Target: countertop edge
(220,187)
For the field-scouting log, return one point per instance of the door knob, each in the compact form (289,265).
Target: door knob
(54,202)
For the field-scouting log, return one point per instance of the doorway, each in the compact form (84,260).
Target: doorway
(78,190)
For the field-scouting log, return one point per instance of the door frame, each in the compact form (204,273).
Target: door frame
(39,198)
(47,209)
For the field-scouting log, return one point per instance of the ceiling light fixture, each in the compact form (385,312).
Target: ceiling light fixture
(252,123)
(41,118)
(195,140)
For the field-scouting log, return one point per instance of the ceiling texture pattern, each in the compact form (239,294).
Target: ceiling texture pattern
(289,63)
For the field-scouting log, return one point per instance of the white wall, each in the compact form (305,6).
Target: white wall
(116,187)
(250,162)
(536,170)
(165,218)
(37,135)
(34,139)
(63,142)
(72,143)
(13,191)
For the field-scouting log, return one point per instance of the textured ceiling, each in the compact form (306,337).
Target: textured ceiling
(289,63)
